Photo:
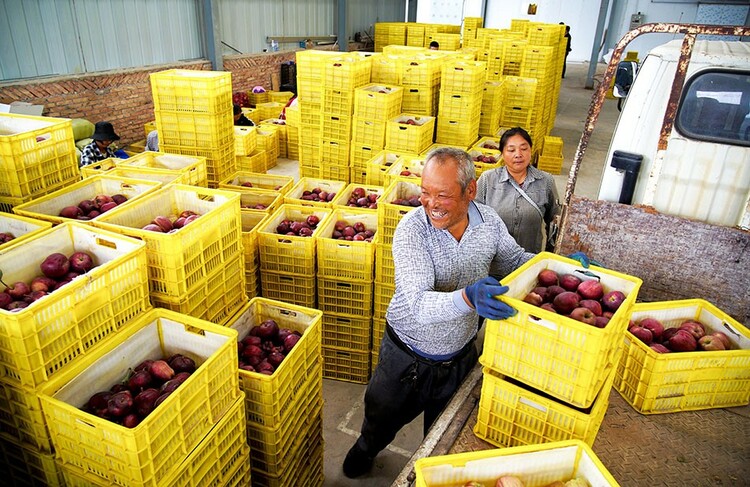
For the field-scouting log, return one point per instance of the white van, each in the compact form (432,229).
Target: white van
(705,171)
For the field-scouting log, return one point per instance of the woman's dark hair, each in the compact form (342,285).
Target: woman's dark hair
(514,131)
(236,109)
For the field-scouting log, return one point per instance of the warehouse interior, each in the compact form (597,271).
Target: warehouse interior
(59,65)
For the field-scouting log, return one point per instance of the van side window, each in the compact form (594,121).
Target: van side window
(715,107)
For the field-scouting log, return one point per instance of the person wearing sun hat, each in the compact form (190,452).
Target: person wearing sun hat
(100,147)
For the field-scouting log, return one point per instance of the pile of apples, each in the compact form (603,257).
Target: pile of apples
(410,174)
(490,145)
(486,159)
(575,298)
(6,237)
(89,209)
(257,206)
(408,201)
(249,184)
(409,121)
(689,336)
(163,224)
(295,228)
(147,386)
(57,271)
(356,232)
(265,347)
(360,198)
(317,194)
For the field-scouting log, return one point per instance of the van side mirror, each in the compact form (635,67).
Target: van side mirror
(624,77)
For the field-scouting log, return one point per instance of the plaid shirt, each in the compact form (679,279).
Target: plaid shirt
(91,154)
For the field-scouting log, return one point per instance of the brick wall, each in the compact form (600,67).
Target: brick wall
(124,96)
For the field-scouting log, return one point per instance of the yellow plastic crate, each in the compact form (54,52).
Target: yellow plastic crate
(202,130)
(259,201)
(275,182)
(448,41)
(404,137)
(268,397)
(389,214)
(21,417)
(276,450)
(481,166)
(378,102)
(48,207)
(488,145)
(346,72)
(456,132)
(289,253)
(345,297)
(550,164)
(191,91)
(552,146)
(288,287)
(386,69)
(251,222)
(338,103)
(368,133)
(463,77)
(336,172)
(380,164)
(292,113)
(385,270)
(334,153)
(24,465)
(215,461)
(336,127)
(460,106)
(439,146)
(149,453)
(179,262)
(342,197)
(347,331)
(256,98)
(361,153)
(420,71)
(534,465)
(421,100)
(268,140)
(109,167)
(42,339)
(398,171)
(21,227)
(245,140)
(295,195)
(255,162)
(383,292)
(220,161)
(653,383)
(251,114)
(37,155)
(511,414)
(560,356)
(305,468)
(149,127)
(346,365)
(216,298)
(192,168)
(252,282)
(346,259)
(269,109)
(280,96)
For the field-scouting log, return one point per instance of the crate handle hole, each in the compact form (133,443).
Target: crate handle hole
(106,243)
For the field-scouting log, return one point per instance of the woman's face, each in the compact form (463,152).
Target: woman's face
(517,154)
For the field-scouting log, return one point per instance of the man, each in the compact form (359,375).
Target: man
(567,46)
(442,254)
(240,119)
(434,46)
(99,148)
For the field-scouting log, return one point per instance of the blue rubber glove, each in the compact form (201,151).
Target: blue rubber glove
(584,259)
(482,294)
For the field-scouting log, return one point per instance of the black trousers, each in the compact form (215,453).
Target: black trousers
(403,386)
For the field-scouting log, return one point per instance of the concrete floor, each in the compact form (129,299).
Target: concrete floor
(343,409)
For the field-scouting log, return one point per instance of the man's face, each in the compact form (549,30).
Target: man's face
(446,205)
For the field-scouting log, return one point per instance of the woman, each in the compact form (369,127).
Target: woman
(511,189)
(100,146)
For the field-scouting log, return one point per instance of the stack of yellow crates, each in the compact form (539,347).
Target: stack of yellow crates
(345,286)
(415,34)
(310,67)
(342,76)
(389,33)
(292,132)
(519,102)
(471,24)
(194,117)
(491,112)
(39,157)
(420,78)
(283,411)
(430,30)
(279,126)
(551,158)
(461,93)
(374,105)
(525,372)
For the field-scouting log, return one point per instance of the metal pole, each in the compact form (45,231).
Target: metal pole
(343,38)
(603,7)
(213,36)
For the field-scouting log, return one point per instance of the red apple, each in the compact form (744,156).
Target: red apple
(592,304)
(591,289)
(613,299)
(642,334)
(657,329)
(709,342)
(724,339)
(569,282)
(601,321)
(694,328)
(584,315)
(533,298)
(659,348)
(683,341)
(548,277)
(566,302)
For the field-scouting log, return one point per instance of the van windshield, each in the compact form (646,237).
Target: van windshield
(715,107)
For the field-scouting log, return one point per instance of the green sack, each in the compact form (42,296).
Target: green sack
(82,129)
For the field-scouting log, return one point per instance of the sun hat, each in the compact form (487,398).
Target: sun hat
(104,131)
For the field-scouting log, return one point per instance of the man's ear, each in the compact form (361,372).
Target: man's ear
(471,189)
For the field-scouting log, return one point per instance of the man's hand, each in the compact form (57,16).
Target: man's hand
(482,294)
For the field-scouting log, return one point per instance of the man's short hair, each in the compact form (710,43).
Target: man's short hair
(466,169)
(435,44)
